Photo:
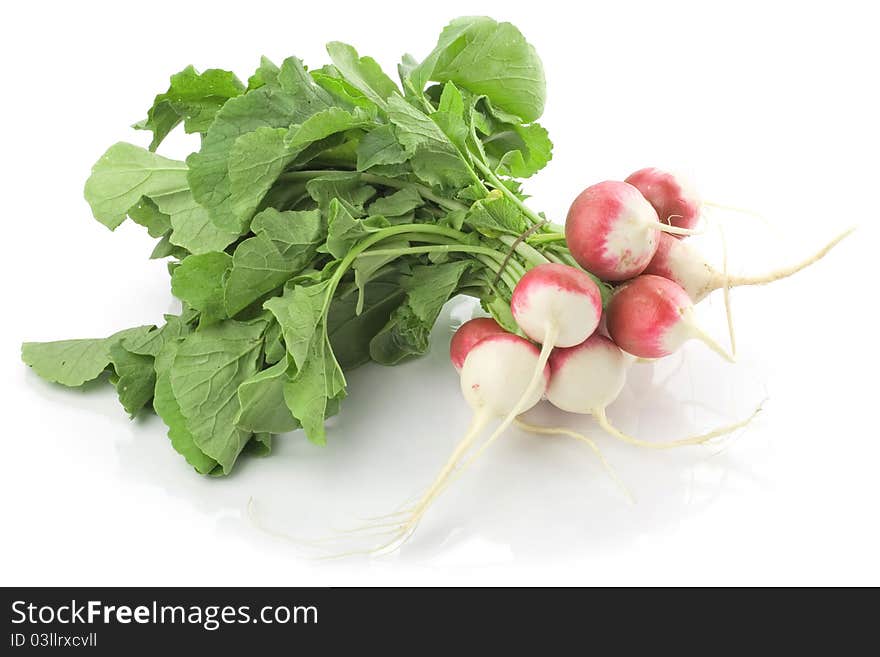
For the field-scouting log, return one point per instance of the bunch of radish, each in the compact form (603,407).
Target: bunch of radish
(628,234)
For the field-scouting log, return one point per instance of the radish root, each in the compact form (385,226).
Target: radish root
(563,431)
(727,305)
(688,318)
(401,531)
(603,422)
(675,230)
(763,279)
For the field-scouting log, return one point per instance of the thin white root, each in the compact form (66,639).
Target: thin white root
(727,304)
(697,332)
(675,230)
(401,531)
(736,281)
(602,419)
(563,431)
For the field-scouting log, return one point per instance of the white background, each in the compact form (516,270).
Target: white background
(768,106)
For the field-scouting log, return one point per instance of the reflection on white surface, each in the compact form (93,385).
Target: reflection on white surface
(529,498)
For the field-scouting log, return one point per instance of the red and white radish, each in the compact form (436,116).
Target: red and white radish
(466,338)
(588,377)
(652,316)
(468,335)
(673,198)
(555,305)
(612,231)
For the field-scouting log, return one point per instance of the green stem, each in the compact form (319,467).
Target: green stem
(435,248)
(501,187)
(528,253)
(543,238)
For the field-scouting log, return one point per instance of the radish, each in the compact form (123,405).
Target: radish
(468,335)
(674,200)
(652,316)
(588,377)
(612,231)
(558,306)
(495,381)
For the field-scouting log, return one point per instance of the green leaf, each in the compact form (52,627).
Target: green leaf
(330,79)
(380,146)
(150,343)
(166,406)
(283,245)
(496,216)
(207,371)
(435,159)
(290,98)
(274,349)
(136,377)
(192,226)
(73,362)
(260,444)
(193,98)
(363,73)
(261,399)
(519,151)
(199,281)
(164,249)
(124,174)
(397,204)
(345,188)
(355,319)
(314,391)
(344,231)
(256,159)
(409,327)
(146,213)
(450,116)
(487,58)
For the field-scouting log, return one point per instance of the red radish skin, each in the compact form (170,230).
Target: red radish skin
(468,335)
(557,294)
(651,317)
(612,231)
(673,198)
